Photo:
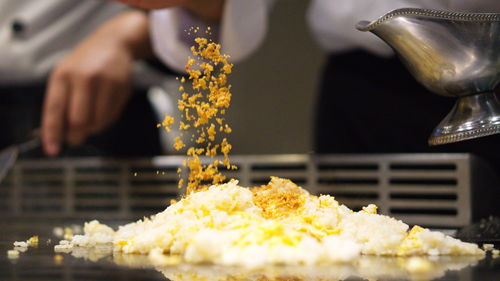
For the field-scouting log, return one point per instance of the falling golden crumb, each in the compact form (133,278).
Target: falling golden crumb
(179,144)
(33,241)
(203,109)
(68,233)
(166,123)
(58,259)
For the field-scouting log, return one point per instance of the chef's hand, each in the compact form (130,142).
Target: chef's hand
(210,10)
(88,90)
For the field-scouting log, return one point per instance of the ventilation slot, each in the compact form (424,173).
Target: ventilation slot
(153,182)
(102,195)
(41,208)
(97,208)
(423,167)
(347,167)
(423,196)
(159,170)
(339,196)
(42,171)
(347,181)
(423,182)
(278,167)
(96,182)
(97,170)
(424,211)
(40,195)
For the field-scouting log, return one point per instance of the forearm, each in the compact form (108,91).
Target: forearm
(129,29)
(208,10)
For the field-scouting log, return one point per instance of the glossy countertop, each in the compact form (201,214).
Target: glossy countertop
(43,264)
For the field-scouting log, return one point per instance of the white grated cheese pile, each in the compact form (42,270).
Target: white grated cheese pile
(279,223)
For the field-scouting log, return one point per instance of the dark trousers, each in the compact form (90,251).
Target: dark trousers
(134,135)
(369,104)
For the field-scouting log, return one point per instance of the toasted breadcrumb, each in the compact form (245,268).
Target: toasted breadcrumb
(33,241)
(58,259)
(203,109)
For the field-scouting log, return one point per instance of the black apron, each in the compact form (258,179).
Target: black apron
(369,104)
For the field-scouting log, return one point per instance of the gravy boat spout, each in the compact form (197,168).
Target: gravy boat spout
(451,54)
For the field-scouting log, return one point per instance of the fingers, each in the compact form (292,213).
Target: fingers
(103,107)
(110,100)
(81,108)
(54,110)
(154,4)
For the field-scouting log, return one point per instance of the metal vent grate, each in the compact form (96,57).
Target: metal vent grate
(426,189)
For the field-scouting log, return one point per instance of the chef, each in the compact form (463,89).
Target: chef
(75,57)
(368,101)
(375,103)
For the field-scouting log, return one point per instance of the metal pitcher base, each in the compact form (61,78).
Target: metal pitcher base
(472,117)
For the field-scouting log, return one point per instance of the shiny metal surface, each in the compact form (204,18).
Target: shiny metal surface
(41,264)
(452,54)
(472,116)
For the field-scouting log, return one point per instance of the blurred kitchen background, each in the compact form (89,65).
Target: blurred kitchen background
(283,74)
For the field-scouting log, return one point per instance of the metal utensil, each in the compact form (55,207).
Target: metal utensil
(9,155)
(452,54)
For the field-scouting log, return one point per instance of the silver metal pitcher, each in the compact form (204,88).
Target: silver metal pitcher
(452,54)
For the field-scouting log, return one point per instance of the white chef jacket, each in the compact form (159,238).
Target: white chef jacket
(333,21)
(241,31)
(244,25)
(35,34)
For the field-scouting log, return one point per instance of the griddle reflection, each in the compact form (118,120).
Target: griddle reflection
(366,267)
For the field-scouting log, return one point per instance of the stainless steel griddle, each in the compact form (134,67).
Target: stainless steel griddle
(435,190)
(39,264)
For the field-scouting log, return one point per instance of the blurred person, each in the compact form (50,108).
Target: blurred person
(368,101)
(76,57)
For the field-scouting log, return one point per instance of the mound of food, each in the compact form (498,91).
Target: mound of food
(279,223)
